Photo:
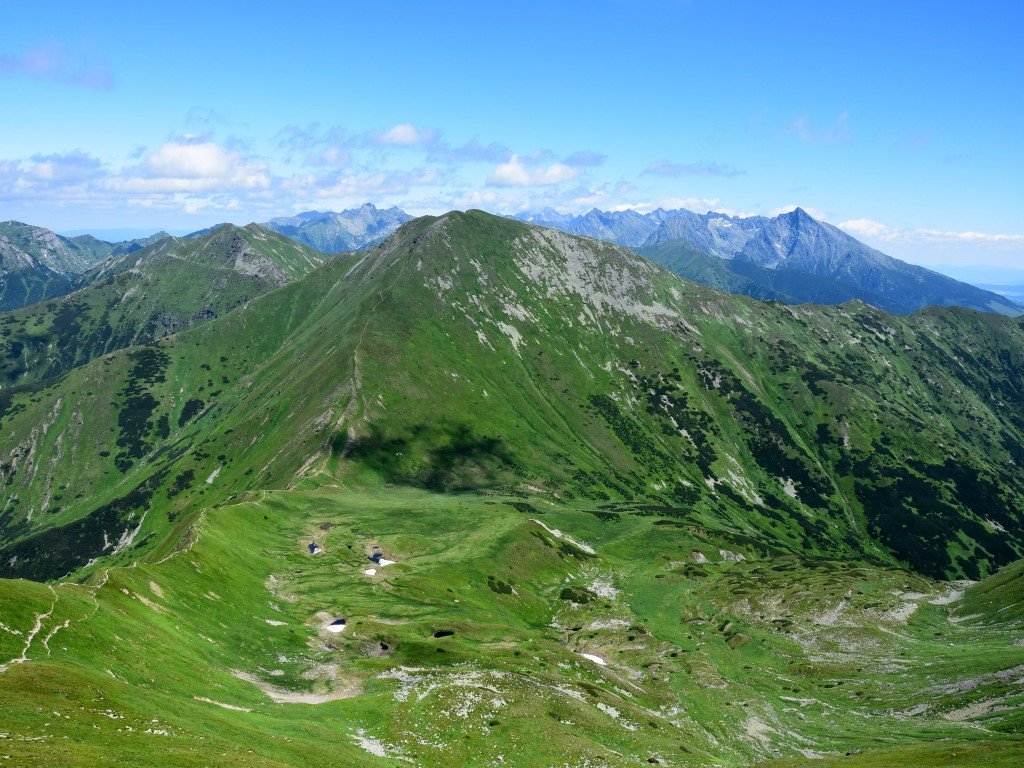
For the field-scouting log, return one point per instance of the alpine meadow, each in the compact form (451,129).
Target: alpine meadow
(415,389)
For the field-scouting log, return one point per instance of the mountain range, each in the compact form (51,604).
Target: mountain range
(791,257)
(36,264)
(487,493)
(142,295)
(823,418)
(350,230)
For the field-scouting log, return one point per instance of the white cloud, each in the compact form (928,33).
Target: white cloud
(335,157)
(187,166)
(876,230)
(515,174)
(574,198)
(191,161)
(184,175)
(865,228)
(940,236)
(406,135)
(318,146)
(473,151)
(63,167)
(699,204)
(695,204)
(351,187)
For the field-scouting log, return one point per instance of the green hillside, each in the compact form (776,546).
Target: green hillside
(469,650)
(145,295)
(37,264)
(473,352)
(634,520)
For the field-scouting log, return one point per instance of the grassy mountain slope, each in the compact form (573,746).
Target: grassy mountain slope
(470,650)
(473,352)
(65,256)
(144,295)
(25,282)
(690,262)
(99,250)
(1014,293)
(634,520)
(37,264)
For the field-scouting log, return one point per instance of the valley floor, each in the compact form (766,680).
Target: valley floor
(506,632)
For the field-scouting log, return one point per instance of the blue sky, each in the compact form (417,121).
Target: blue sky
(901,124)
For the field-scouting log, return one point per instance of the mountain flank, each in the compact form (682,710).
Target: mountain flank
(142,295)
(791,257)
(470,352)
(487,493)
(37,264)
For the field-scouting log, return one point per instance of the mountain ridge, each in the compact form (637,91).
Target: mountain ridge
(814,261)
(819,435)
(36,263)
(794,241)
(141,295)
(349,230)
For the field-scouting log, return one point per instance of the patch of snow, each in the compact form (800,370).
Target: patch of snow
(566,537)
(222,704)
(337,626)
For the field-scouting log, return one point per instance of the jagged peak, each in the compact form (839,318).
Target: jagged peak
(798,215)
